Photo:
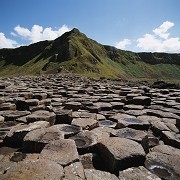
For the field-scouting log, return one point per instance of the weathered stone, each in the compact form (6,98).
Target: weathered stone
(7,106)
(2,100)
(93,109)
(92,174)
(7,126)
(107,123)
(92,161)
(125,120)
(158,127)
(171,138)
(15,136)
(136,135)
(172,127)
(149,118)
(103,106)
(42,115)
(1,119)
(142,100)
(85,141)
(68,130)
(119,116)
(32,102)
(85,123)
(138,173)
(35,140)
(162,114)
(100,117)
(21,104)
(74,171)
(133,107)
(83,114)
(37,169)
(62,151)
(120,153)
(75,106)
(164,160)
(16,114)
(2,135)
(117,105)
(63,116)
(136,112)
(39,96)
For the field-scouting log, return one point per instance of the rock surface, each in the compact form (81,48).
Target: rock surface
(66,126)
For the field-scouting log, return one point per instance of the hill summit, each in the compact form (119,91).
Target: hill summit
(75,52)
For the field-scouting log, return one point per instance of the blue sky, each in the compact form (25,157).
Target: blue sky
(136,25)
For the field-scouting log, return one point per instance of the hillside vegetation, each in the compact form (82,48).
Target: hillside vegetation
(74,52)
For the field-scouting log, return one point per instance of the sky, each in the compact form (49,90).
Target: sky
(135,25)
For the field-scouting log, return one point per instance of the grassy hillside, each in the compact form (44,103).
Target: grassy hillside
(76,53)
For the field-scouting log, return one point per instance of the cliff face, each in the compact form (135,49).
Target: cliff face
(75,52)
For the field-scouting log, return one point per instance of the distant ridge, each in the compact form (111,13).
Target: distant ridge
(75,52)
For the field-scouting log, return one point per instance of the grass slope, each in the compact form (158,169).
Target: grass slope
(74,52)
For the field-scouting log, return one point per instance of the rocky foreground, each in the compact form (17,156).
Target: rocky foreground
(69,127)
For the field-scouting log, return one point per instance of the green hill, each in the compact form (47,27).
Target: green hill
(75,52)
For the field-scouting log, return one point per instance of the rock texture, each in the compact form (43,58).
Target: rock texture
(70,127)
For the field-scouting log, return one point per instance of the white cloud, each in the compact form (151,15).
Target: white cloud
(5,42)
(38,33)
(163,28)
(122,44)
(159,40)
